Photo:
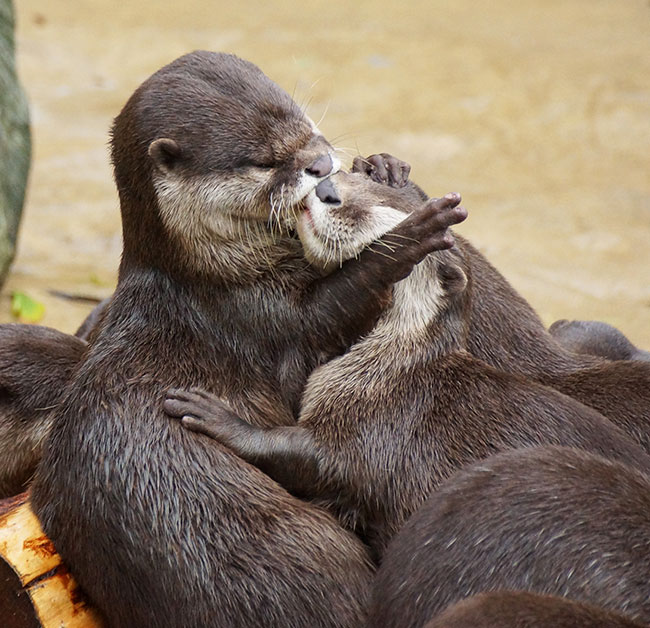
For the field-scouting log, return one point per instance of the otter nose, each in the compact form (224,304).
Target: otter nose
(327,193)
(321,167)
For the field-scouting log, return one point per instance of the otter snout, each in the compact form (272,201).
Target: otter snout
(327,193)
(321,167)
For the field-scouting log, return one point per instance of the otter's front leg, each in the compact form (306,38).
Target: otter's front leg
(286,454)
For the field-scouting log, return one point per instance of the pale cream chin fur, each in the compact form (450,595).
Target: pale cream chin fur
(328,241)
(231,220)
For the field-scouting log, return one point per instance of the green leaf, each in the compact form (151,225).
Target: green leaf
(26,309)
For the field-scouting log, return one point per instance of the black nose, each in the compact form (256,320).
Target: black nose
(327,193)
(321,167)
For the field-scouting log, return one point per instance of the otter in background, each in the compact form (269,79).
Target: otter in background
(596,338)
(505,332)
(549,520)
(36,363)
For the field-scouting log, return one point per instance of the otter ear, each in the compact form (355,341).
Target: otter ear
(452,278)
(165,154)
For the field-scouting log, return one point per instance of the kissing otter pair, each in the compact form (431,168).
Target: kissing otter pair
(161,528)
(383,425)
(210,296)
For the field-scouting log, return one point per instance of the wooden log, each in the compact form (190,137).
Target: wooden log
(36,588)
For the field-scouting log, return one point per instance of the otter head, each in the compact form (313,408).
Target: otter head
(347,212)
(212,154)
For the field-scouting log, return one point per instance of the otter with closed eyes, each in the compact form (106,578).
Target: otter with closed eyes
(157,527)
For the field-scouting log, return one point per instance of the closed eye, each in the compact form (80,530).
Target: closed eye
(263,165)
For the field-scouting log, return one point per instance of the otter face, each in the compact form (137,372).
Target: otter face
(343,215)
(227,150)
(347,212)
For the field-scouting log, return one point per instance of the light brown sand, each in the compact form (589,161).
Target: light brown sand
(537,112)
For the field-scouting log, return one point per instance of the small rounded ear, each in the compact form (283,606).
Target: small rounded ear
(452,278)
(165,154)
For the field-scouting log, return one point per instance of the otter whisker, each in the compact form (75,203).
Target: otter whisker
(403,237)
(329,102)
(306,105)
(338,138)
(271,213)
(391,248)
(346,150)
(274,217)
(384,255)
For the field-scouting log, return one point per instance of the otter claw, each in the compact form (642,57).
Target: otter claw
(383,168)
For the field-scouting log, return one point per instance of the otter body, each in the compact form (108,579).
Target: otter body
(152,543)
(383,425)
(158,528)
(504,331)
(35,365)
(596,338)
(552,521)
(517,609)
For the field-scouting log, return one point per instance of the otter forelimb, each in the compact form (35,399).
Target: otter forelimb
(289,454)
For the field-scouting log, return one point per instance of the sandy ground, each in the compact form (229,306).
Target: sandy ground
(537,112)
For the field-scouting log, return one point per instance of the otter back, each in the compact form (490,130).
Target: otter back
(555,521)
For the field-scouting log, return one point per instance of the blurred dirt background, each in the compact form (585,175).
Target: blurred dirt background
(538,112)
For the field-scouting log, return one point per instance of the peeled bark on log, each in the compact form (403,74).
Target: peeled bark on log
(36,589)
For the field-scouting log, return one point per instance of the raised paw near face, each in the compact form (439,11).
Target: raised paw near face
(205,413)
(383,168)
(424,231)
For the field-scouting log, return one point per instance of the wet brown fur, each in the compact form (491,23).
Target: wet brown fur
(505,332)
(35,364)
(518,609)
(553,521)
(158,527)
(383,425)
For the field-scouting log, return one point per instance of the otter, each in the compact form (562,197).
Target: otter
(596,338)
(519,609)
(34,362)
(160,528)
(384,424)
(548,520)
(505,331)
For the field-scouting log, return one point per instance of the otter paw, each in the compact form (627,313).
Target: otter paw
(383,168)
(203,412)
(426,230)
(194,402)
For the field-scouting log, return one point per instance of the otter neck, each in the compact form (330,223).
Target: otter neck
(423,321)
